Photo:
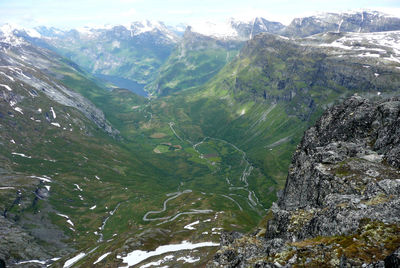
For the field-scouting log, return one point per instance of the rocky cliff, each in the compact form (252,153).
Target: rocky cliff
(341,204)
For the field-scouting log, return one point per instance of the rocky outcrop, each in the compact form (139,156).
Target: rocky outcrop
(18,244)
(341,202)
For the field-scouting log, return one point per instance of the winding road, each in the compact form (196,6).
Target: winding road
(173,217)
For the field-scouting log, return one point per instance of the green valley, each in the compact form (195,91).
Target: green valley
(93,173)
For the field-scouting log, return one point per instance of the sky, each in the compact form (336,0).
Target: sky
(66,14)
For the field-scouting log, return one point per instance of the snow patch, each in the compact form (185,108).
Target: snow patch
(77,186)
(68,219)
(54,113)
(188,259)
(7,87)
(190,226)
(102,257)
(33,33)
(157,263)
(44,178)
(138,256)
(116,44)
(9,77)
(22,155)
(93,207)
(218,30)
(18,110)
(75,259)
(31,261)
(55,124)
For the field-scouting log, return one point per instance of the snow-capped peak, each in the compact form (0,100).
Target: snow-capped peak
(238,29)
(7,35)
(215,29)
(139,27)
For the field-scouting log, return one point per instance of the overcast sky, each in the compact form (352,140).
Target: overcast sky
(77,13)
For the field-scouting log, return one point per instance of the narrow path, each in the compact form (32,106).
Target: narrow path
(171,125)
(233,200)
(245,174)
(252,202)
(101,228)
(173,217)
(175,195)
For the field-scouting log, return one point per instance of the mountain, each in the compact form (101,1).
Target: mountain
(18,58)
(339,206)
(196,60)
(134,55)
(79,184)
(310,70)
(43,123)
(265,98)
(358,21)
(202,52)
(121,54)
(235,29)
(162,176)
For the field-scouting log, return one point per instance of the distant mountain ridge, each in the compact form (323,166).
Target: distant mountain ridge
(137,53)
(359,21)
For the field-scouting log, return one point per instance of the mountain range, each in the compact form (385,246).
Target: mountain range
(130,144)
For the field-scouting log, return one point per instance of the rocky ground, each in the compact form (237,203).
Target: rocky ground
(340,205)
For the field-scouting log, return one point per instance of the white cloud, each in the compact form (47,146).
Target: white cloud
(129,13)
(180,12)
(251,13)
(128,1)
(394,11)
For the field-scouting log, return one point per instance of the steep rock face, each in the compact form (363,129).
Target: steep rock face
(341,204)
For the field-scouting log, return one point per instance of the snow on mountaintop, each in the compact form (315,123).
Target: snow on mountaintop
(33,33)
(383,46)
(325,15)
(135,28)
(11,34)
(234,28)
(215,29)
(7,35)
(363,41)
(140,27)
